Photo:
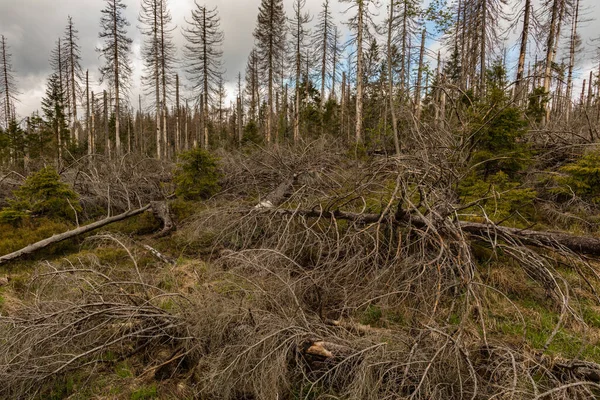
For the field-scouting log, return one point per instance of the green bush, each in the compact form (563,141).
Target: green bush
(500,197)
(42,194)
(580,178)
(196,176)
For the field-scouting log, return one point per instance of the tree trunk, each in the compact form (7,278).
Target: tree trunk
(391,79)
(117,86)
(359,72)
(550,53)
(70,234)
(75,132)
(420,78)
(519,91)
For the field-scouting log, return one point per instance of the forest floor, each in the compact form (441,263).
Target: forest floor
(247,302)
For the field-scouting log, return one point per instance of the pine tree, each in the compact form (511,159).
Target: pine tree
(270,43)
(116,51)
(203,55)
(8,90)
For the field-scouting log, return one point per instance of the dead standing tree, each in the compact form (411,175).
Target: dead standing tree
(116,50)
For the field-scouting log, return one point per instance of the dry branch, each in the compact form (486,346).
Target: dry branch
(579,244)
(32,248)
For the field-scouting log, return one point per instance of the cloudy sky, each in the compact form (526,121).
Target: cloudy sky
(33,26)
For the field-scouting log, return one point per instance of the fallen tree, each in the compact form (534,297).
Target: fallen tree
(579,244)
(32,248)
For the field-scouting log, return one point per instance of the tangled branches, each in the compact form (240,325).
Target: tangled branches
(77,316)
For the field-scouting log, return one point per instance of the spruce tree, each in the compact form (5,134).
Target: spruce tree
(158,53)
(270,35)
(116,50)
(53,106)
(299,33)
(203,53)
(8,89)
(74,74)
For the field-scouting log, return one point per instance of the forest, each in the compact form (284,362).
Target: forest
(400,200)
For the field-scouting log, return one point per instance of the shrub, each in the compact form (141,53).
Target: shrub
(501,197)
(42,194)
(196,176)
(581,178)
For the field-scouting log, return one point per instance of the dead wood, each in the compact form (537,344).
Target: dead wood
(32,248)
(280,194)
(159,255)
(320,353)
(588,245)
(161,210)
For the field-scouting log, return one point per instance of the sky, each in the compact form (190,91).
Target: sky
(32,28)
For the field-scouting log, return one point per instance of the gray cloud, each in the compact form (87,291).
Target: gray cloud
(33,26)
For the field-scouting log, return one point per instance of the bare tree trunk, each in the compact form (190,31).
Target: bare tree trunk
(59,132)
(106,136)
(550,53)
(32,248)
(141,139)
(164,83)
(359,72)
(420,77)
(117,87)
(87,112)
(297,88)
(6,83)
(185,129)
(343,105)
(324,54)
(483,53)
(177,116)
(391,79)
(519,92)
(75,131)
(571,62)
(92,136)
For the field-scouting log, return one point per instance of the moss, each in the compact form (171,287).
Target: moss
(123,370)
(145,392)
(13,239)
(142,224)
(371,316)
(183,209)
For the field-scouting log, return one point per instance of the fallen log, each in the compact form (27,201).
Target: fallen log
(279,195)
(70,234)
(588,245)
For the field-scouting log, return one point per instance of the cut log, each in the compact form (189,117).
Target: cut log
(320,354)
(588,245)
(70,234)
